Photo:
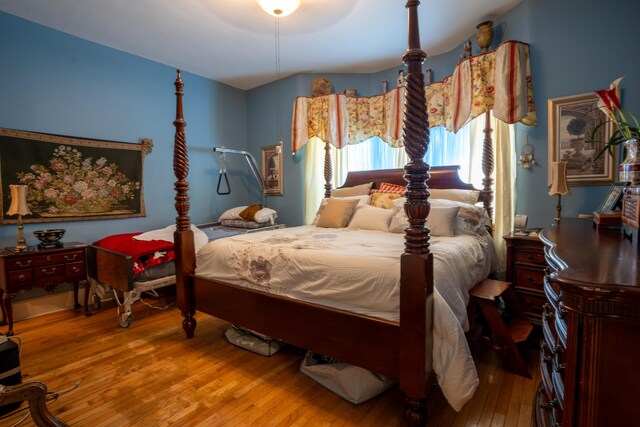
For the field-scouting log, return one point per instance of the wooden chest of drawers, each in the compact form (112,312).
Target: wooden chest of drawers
(590,327)
(41,269)
(525,270)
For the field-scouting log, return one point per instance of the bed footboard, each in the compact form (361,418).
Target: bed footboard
(111,268)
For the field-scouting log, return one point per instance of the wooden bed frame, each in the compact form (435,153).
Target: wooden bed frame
(402,350)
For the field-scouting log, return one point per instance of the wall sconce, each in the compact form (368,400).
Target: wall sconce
(20,207)
(559,185)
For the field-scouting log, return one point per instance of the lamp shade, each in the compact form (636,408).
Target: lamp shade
(559,179)
(19,204)
(279,8)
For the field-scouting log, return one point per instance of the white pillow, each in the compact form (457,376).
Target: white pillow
(263,215)
(441,220)
(362,201)
(458,195)
(358,190)
(371,218)
(475,217)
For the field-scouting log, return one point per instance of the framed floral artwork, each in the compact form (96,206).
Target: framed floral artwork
(272,169)
(572,120)
(72,179)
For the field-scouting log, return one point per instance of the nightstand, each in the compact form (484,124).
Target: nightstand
(41,268)
(525,270)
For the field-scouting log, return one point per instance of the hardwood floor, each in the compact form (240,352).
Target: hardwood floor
(150,375)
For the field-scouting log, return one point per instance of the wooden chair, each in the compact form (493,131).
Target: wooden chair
(506,331)
(36,393)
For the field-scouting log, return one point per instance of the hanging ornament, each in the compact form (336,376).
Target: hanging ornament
(526,159)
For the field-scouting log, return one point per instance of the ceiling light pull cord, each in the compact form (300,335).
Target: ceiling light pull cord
(277,37)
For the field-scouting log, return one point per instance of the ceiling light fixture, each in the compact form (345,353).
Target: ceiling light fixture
(279,8)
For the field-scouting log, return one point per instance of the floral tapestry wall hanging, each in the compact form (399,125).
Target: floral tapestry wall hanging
(72,179)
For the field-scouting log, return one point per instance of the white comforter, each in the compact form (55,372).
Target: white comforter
(359,271)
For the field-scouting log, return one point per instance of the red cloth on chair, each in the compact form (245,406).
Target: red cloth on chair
(144,253)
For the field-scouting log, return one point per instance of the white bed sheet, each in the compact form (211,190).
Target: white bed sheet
(359,271)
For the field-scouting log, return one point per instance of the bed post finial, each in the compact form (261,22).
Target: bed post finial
(183,236)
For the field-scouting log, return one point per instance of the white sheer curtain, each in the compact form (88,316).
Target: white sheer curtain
(368,155)
(445,148)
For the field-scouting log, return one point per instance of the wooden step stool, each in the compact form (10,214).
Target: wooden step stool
(505,336)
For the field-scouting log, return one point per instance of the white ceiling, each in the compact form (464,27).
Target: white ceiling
(233,41)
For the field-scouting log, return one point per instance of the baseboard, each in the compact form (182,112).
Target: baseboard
(46,304)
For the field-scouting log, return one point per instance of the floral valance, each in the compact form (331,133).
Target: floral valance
(498,80)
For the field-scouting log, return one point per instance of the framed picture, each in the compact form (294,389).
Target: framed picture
(612,199)
(70,178)
(572,120)
(272,169)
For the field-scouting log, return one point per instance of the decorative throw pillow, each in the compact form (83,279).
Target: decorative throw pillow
(387,187)
(384,200)
(337,213)
(457,195)
(250,212)
(362,201)
(371,218)
(358,190)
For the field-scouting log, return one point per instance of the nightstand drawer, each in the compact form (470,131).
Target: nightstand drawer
(529,278)
(75,270)
(19,278)
(49,271)
(75,256)
(530,257)
(532,304)
(35,261)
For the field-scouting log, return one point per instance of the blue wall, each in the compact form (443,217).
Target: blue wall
(55,83)
(576,47)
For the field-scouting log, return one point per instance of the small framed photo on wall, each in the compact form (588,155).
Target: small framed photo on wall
(572,120)
(272,169)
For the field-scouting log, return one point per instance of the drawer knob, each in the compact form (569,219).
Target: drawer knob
(23,264)
(22,278)
(70,258)
(48,257)
(75,269)
(49,271)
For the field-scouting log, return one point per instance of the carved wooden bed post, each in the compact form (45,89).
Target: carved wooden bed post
(416,277)
(183,237)
(328,170)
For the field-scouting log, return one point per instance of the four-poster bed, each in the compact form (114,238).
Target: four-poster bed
(402,349)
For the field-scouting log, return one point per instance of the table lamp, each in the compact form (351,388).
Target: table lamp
(20,207)
(559,185)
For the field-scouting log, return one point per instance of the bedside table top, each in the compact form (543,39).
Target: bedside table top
(34,250)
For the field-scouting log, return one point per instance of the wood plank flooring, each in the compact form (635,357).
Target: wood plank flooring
(150,375)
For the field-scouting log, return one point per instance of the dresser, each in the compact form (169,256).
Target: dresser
(525,270)
(45,269)
(591,328)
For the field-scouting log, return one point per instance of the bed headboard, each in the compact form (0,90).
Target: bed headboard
(440,177)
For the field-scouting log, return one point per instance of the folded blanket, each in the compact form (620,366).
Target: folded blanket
(144,253)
